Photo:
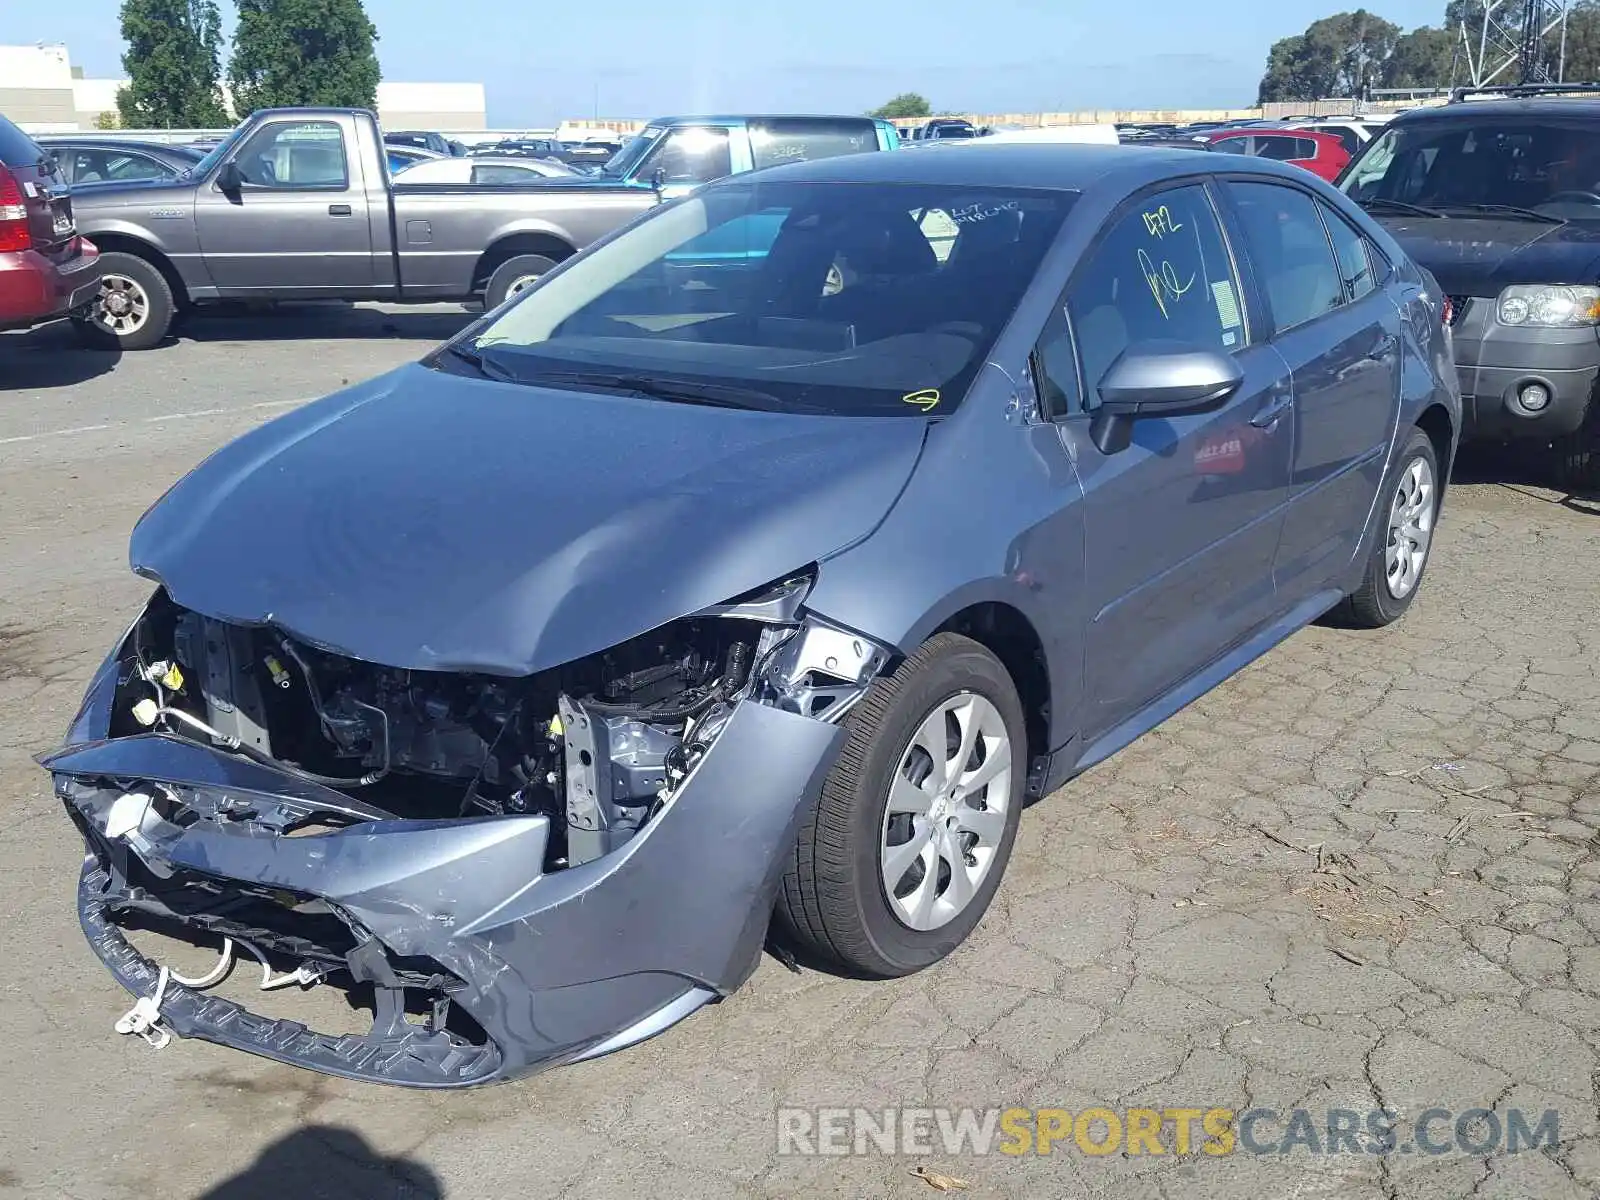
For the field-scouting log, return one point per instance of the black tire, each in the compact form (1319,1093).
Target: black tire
(508,272)
(147,281)
(1374,604)
(1577,455)
(832,902)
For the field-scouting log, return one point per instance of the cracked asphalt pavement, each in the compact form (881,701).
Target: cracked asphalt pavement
(1360,875)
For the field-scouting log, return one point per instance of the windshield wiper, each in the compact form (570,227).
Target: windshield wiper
(469,353)
(718,395)
(1507,210)
(1399,206)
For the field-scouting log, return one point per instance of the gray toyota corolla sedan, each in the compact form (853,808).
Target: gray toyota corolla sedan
(742,580)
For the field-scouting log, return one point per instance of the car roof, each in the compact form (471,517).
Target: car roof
(68,139)
(1074,167)
(741,118)
(1505,108)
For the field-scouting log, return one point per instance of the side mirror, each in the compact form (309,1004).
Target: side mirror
(1160,380)
(230,178)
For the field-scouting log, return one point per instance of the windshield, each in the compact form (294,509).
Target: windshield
(634,149)
(866,299)
(1549,168)
(216,154)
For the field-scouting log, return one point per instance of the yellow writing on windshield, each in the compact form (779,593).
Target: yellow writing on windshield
(926,399)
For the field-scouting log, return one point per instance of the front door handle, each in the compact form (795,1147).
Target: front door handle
(338,210)
(1384,348)
(1275,406)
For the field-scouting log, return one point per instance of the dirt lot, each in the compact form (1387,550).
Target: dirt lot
(1361,875)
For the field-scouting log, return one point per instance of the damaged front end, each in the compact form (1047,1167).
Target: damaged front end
(509,873)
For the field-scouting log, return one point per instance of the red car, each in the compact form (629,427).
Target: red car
(46,269)
(1320,153)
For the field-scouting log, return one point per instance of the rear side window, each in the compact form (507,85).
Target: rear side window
(1284,149)
(1161,273)
(774,142)
(500,173)
(17,149)
(1289,248)
(1354,257)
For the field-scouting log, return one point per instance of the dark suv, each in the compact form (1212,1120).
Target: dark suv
(46,269)
(1499,197)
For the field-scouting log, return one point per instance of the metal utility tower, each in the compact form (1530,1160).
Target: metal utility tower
(1512,37)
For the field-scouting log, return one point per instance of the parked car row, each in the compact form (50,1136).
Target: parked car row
(347,211)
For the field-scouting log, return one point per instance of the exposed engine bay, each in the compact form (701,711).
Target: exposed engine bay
(598,745)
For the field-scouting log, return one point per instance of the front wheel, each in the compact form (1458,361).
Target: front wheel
(135,307)
(513,276)
(915,824)
(1408,513)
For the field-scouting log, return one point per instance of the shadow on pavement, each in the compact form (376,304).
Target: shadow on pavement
(49,357)
(1523,467)
(309,321)
(323,1162)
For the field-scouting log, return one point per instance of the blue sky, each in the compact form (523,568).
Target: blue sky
(543,62)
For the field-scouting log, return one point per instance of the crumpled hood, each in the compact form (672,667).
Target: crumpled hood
(435,522)
(1473,256)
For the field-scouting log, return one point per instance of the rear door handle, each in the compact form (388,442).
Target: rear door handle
(1273,409)
(338,210)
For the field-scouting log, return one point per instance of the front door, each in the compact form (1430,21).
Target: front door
(1339,334)
(298,227)
(1181,525)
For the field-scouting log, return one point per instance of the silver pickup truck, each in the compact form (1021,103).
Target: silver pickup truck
(300,204)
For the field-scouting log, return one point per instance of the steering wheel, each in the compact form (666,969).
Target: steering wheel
(1585,197)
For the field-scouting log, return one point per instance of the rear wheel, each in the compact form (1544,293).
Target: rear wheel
(135,307)
(1407,515)
(515,275)
(916,822)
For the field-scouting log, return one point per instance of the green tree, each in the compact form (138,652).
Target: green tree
(906,104)
(1583,41)
(1336,56)
(1425,58)
(108,119)
(297,52)
(173,60)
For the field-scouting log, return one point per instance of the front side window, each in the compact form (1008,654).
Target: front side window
(301,154)
(781,141)
(1458,165)
(1289,249)
(800,297)
(1162,273)
(693,154)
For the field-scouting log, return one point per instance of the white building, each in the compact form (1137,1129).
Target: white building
(43,92)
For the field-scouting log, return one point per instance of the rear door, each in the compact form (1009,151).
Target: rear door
(299,225)
(1339,334)
(1183,524)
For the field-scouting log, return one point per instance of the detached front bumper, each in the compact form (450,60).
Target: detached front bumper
(436,915)
(1494,362)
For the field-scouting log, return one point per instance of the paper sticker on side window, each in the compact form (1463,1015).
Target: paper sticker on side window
(1227,304)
